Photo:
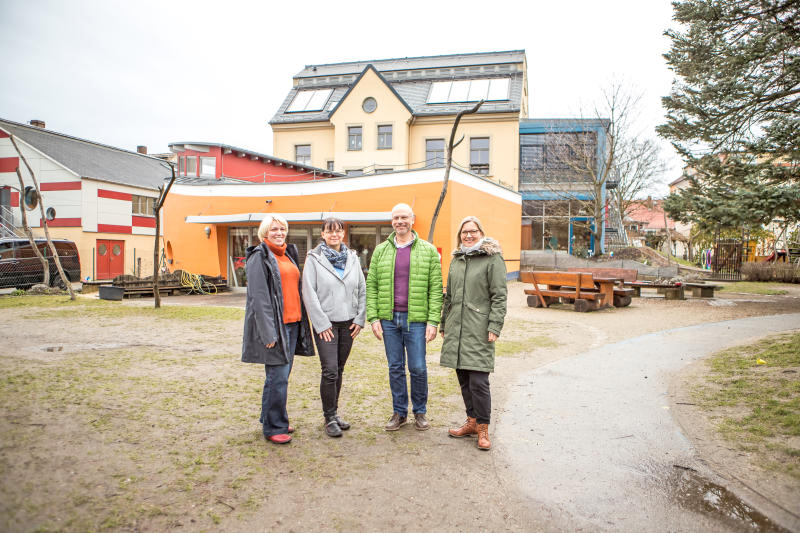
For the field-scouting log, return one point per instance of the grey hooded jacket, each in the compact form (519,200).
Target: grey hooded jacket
(329,298)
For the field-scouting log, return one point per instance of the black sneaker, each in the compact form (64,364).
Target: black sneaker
(332,428)
(342,424)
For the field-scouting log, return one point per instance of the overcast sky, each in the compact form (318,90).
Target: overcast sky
(151,73)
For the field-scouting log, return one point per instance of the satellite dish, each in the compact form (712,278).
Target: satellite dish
(30,198)
(50,214)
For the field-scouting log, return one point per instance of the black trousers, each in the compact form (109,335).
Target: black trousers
(476,394)
(333,356)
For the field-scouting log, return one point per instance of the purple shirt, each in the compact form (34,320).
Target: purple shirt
(402,267)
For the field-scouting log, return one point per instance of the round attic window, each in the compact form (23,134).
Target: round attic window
(369,105)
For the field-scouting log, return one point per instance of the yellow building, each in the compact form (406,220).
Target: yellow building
(379,116)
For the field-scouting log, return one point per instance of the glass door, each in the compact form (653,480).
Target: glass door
(239,240)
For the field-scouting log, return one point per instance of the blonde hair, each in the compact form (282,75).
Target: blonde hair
(470,218)
(263,228)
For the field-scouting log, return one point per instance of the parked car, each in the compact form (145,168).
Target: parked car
(19,266)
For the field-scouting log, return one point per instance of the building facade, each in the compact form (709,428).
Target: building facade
(208,224)
(379,116)
(561,172)
(101,197)
(217,161)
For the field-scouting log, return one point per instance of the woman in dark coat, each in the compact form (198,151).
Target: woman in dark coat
(275,322)
(472,317)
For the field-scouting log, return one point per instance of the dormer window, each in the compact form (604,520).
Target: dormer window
(494,89)
(305,101)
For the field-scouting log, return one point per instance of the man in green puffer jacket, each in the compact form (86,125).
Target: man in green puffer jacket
(404,305)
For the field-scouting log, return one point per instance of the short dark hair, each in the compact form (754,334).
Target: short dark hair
(332,223)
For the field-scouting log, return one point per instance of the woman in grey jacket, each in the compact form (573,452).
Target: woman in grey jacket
(334,293)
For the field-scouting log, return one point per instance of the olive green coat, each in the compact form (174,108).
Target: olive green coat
(424,282)
(475,304)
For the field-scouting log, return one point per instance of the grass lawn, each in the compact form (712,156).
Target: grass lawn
(753,287)
(149,431)
(758,406)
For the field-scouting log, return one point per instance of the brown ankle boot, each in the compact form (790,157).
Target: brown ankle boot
(469,429)
(483,437)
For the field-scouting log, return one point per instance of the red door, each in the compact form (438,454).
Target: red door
(110,258)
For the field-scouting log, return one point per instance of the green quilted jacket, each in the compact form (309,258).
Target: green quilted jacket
(424,284)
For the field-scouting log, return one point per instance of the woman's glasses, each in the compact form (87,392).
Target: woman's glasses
(470,232)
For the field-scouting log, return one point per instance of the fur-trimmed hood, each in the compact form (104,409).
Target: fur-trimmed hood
(489,246)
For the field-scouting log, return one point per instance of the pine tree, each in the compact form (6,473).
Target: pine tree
(734,110)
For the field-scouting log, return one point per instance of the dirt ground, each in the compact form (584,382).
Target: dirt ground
(144,423)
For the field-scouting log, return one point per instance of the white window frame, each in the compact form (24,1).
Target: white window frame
(208,162)
(297,156)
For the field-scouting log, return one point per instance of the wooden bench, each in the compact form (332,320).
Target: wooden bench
(581,288)
(670,292)
(622,296)
(702,290)
(627,274)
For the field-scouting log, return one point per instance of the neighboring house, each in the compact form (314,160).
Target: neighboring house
(102,196)
(560,160)
(208,223)
(372,117)
(647,218)
(217,161)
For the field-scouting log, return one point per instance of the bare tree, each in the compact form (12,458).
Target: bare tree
(29,233)
(450,147)
(64,280)
(639,167)
(578,165)
(162,196)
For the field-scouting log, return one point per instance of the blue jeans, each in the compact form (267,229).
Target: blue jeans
(274,418)
(402,338)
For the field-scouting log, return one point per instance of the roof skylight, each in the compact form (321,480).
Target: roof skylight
(468,90)
(309,101)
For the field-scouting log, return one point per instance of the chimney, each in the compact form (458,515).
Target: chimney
(142,149)
(37,123)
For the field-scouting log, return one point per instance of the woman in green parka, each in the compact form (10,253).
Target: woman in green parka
(472,318)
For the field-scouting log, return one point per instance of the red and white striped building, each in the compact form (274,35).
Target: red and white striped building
(103,196)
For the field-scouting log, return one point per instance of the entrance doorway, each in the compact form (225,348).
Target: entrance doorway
(110,258)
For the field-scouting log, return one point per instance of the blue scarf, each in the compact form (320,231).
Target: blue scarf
(337,259)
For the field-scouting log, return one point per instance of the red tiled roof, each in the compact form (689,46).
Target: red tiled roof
(649,217)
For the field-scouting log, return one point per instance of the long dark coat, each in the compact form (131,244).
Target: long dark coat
(475,304)
(263,316)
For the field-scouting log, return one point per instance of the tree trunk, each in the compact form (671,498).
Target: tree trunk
(162,196)
(29,233)
(448,164)
(64,278)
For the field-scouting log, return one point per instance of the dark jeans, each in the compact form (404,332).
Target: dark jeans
(476,394)
(274,418)
(333,356)
(401,338)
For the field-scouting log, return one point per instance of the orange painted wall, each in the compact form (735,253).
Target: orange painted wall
(194,252)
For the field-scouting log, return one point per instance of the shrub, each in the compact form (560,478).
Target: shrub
(779,272)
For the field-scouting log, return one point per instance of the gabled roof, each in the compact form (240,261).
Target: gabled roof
(93,160)
(411,79)
(353,85)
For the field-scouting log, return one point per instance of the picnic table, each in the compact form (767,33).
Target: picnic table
(671,291)
(586,291)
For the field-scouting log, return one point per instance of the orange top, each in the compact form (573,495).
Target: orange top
(290,283)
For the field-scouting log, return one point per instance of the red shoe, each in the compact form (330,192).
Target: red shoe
(281,438)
